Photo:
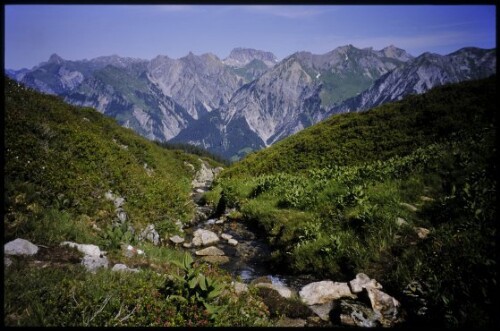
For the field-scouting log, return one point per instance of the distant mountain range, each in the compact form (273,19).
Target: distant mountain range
(248,100)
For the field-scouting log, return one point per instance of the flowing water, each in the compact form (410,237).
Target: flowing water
(251,257)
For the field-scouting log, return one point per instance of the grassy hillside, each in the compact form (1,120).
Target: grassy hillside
(60,161)
(64,159)
(394,129)
(404,192)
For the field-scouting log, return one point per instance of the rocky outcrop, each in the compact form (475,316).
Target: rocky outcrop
(20,247)
(327,298)
(93,259)
(324,291)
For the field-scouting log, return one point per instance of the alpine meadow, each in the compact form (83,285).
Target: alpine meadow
(340,171)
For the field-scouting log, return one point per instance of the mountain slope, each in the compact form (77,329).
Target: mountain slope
(404,193)
(218,104)
(423,73)
(62,159)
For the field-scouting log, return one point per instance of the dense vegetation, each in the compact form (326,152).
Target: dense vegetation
(357,193)
(60,161)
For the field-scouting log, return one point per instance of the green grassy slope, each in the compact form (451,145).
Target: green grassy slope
(60,160)
(353,193)
(389,130)
(63,159)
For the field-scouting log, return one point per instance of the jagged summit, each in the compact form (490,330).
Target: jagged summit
(240,57)
(54,58)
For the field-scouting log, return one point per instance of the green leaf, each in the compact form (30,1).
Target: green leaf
(188,261)
(202,280)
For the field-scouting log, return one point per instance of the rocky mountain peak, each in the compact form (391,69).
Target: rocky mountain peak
(54,58)
(240,57)
(392,51)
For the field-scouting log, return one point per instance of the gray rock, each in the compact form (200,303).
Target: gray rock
(149,233)
(232,242)
(226,236)
(386,305)
(219,221)
(86,249)
(123,268)
(363,281)
(20,247)
(204,176)
(284,291)
(92,263)
(122,215)
(324,291)
(323,310)
(176,239)
(211,251)
(240,287)
(187,245)
(203,237)
(356,314)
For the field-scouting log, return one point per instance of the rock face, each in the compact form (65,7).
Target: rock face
(203,237)
(420,74)
(324,292)
(20,247)
(322,297)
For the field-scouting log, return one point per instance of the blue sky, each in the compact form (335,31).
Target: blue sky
(34,32)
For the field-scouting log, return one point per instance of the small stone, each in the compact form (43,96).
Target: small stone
(92,263)
(408,206)
(240,287)
(123,267)
(232,242)
(199,190)
(150,234)
(187,245)
(219,221)
(386,305)
(203,237)
(20,247)
(212,251)
(426,199)
(226,236)
(422,233)
(176,239)
(401,221)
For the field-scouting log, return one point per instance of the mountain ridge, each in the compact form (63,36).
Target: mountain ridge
(249,95)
